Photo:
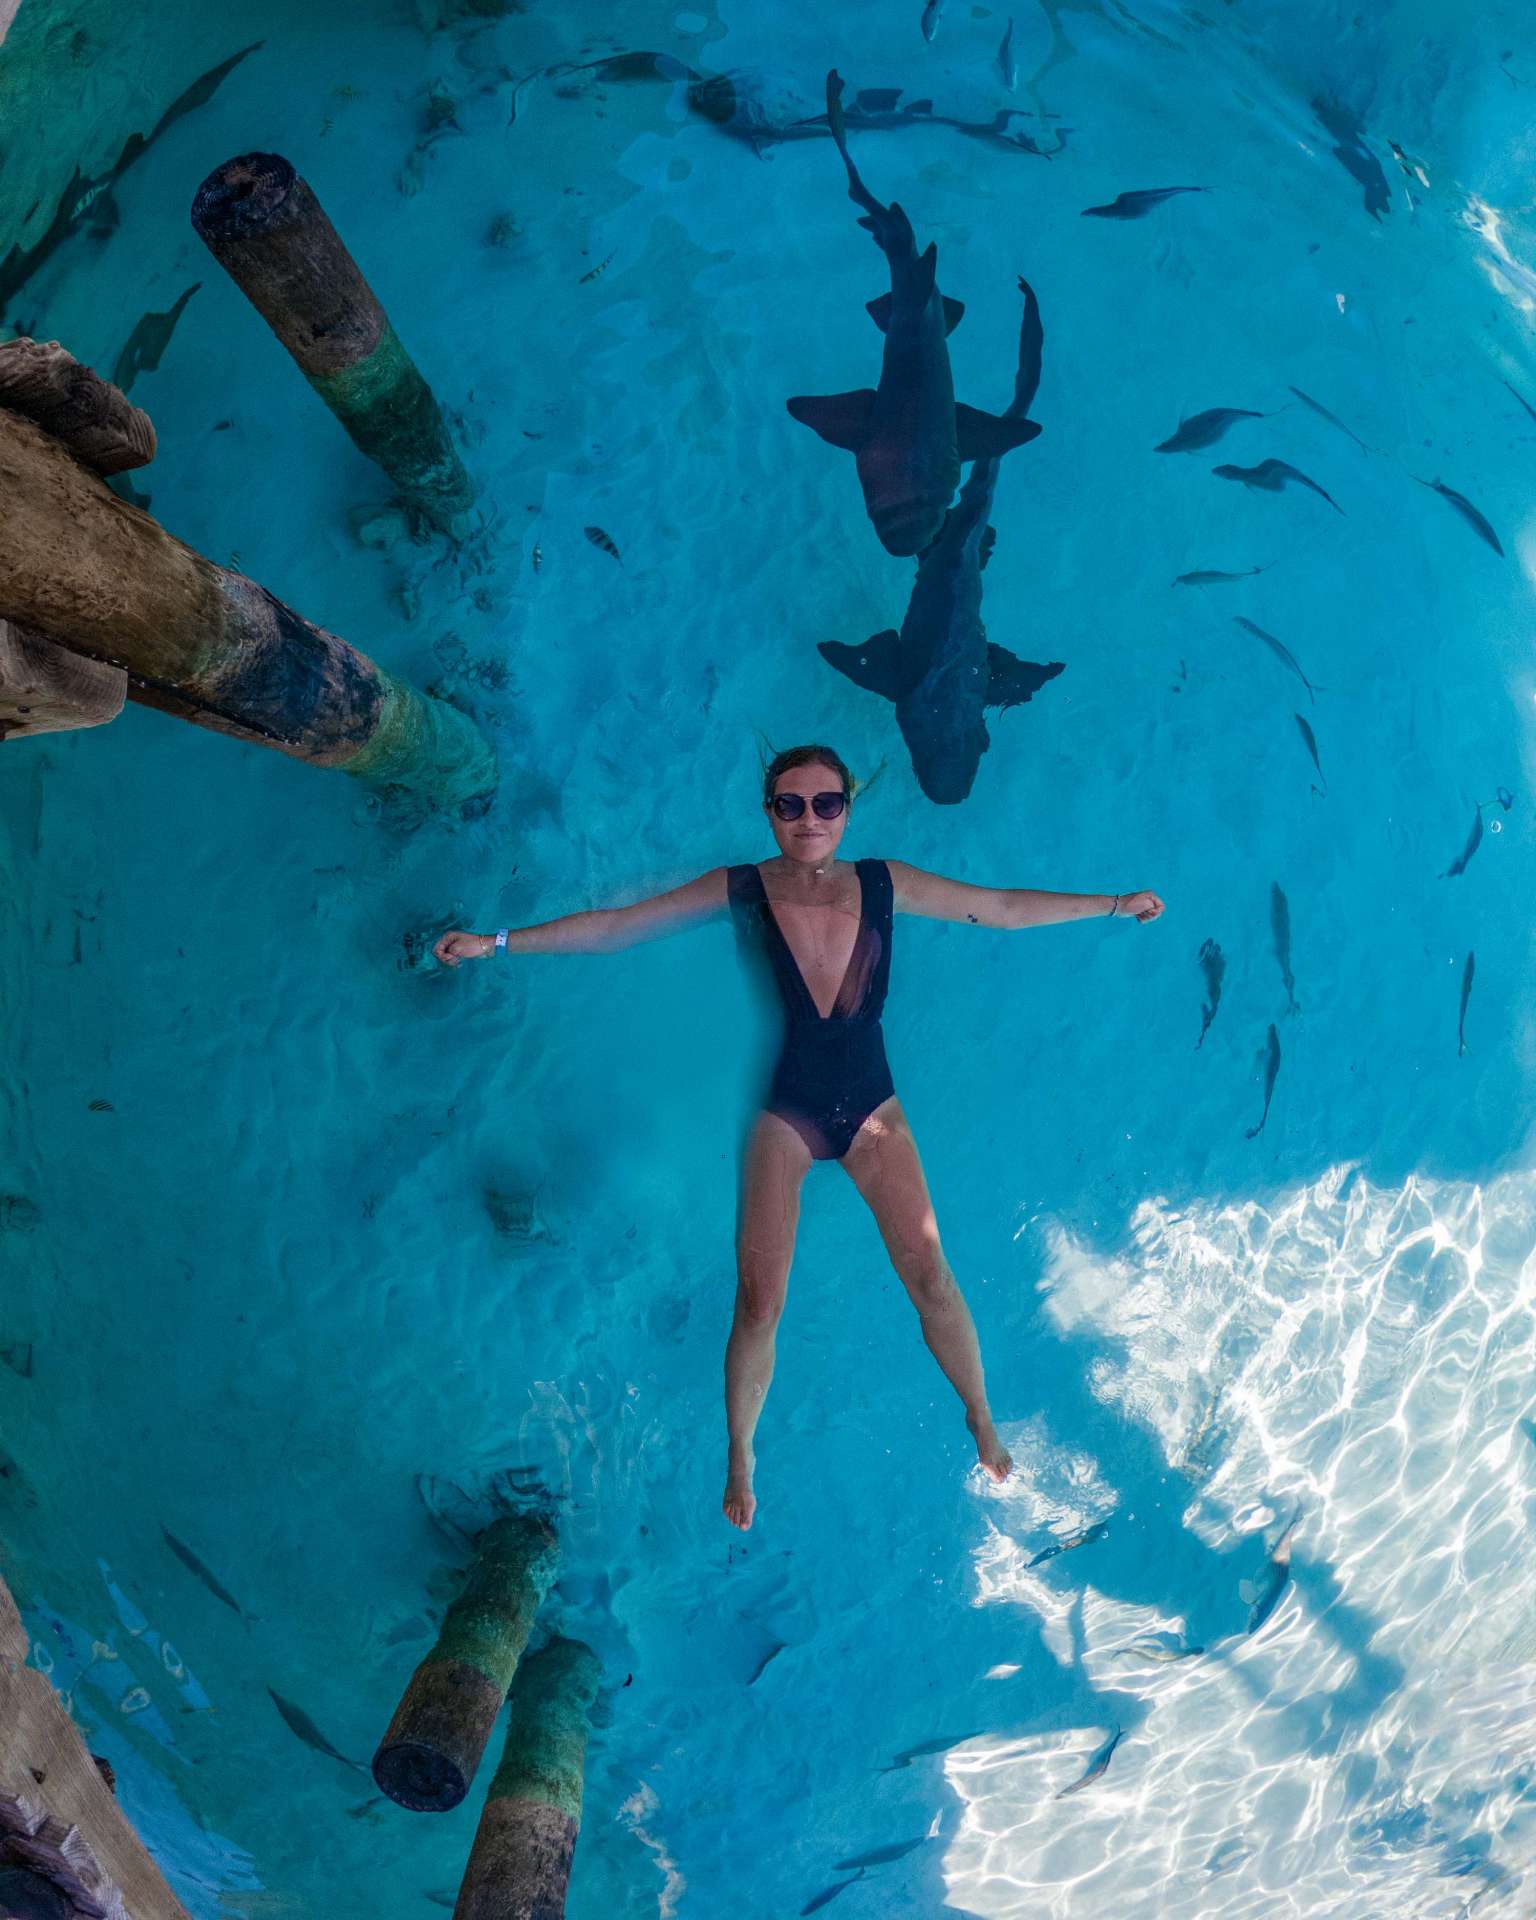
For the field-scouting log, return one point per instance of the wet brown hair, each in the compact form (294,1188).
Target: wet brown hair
(805,757)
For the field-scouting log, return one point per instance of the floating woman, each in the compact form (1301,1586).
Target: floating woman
(822,927)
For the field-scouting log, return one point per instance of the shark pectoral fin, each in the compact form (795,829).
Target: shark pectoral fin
(876,666)
(842,419)
(984,436)
(1013,680)
(880,312)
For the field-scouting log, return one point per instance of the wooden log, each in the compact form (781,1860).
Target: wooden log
(58,1821)
(520,1865)
(433,1745)
(46,689)
(263,224)
(97,421)
(101,578)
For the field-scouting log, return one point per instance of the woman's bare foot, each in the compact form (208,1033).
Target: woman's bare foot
(990,1451)
(740,1501)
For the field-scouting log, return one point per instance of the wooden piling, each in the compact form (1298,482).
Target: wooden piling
(433,1745)
(103,579)
(97,422)
(263,224)
(46,689)
(520,1865)
(60,1827)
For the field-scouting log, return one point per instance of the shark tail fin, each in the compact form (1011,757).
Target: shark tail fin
(880,312)
(1013,680)
(986,436)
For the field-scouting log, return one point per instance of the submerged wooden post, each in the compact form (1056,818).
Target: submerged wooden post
(263,224)
(520,1864)
(61,1831)
(101,578)
(433,1745)
(46,689)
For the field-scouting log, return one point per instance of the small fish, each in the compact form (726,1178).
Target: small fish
(1279,1572)
(1136,202)
(364,1806)
(1279,649)
(148,341)
(932,14)
(300,1723)
(1096,1766)
(18,1358)
(325,126)
(1271,476)
(1474,841)
(819,1900)
(597,272)
(441,1899)
(1468,512)
(101,1106)
(1085,1538)
(1007,63)
(1271,1071)
(879,1856)
(1213,966)
(193,1565)
(1280,927)
(1409,165)
(1210,577)
(1311,744)
(1203,429)
(601,539)
(1521,398)
(1506,798)
(1158,1651)
(941,1745)
(1332,418)
(538,556)
(1467,976)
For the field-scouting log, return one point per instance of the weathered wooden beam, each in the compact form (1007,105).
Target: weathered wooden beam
(58,1820)
(97,421)
(46,689)
(520,1865)
(263,224)
(101,578)
(433,1745)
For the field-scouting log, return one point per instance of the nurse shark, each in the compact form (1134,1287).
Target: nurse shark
(940,670)
(908,434)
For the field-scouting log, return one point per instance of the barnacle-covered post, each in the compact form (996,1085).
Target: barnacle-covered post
(263,224)
(433,1745)
(520,1864)
(87,570)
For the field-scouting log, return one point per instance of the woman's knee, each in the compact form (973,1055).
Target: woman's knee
(760,1299)
(927,1277)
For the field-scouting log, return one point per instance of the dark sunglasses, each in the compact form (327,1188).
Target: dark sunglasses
(825,806)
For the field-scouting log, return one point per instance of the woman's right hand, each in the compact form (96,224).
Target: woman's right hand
(456,946)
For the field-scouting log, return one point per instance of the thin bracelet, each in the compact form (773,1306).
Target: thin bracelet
(1114,912)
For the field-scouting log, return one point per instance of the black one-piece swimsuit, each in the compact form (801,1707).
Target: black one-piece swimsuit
(832,1071)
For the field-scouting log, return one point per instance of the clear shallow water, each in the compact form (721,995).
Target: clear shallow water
(265,1289)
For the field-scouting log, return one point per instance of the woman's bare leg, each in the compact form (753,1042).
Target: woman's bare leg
(883,1165)
(769,1211)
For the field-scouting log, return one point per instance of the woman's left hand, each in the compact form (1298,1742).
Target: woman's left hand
(1143,905)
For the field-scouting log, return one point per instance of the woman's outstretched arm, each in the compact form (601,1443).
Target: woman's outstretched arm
(933,897)
(602,929)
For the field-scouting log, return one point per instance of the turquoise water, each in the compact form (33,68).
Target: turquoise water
(269,1304)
